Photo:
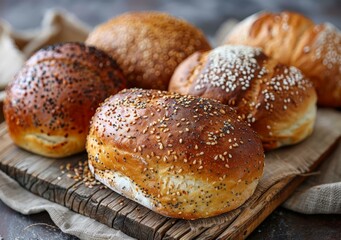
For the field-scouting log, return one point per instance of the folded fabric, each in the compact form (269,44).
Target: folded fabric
(21,200)
(320,193)
(11,57)
(15,47)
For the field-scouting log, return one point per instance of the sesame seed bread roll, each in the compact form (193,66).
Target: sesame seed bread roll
(276,100)
(50,102)
(148,46)
(180,156)
(295,40)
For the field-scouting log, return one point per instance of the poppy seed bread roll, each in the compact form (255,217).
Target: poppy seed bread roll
(148,45)
(180,156)
(295,40)
(276,100)
(50,102)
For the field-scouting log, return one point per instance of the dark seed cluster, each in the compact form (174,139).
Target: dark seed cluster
(58,90)
(81,173)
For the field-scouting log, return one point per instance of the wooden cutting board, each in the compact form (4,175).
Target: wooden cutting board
(285,169)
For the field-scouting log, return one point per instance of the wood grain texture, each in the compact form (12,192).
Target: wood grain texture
(43,177)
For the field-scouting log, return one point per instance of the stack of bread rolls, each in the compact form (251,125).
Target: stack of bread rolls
(182,156)
(192,154)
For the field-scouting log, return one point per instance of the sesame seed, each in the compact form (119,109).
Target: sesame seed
(230,67)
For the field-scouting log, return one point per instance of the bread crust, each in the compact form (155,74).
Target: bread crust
(181,156)
(50,102)
(148,45)
(277,101)
(295,40)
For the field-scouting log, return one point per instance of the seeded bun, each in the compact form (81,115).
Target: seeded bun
(180,156)
(295,40)
(148,45)
(276,100)
(50,102)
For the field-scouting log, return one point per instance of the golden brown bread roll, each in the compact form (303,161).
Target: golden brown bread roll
(295,40)
(148,45)
(276,100)
(181,156)
(50,102)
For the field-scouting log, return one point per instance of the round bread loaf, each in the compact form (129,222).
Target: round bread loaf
(295,40)
(50,102)
(181,156)
(148,46)
(276,100)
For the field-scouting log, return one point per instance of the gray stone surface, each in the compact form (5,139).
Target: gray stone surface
(206,14)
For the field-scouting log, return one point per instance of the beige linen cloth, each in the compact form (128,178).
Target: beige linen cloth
(16,47)
(321,193)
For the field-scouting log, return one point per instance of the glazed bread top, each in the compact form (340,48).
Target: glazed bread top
(50,102)
(156,137)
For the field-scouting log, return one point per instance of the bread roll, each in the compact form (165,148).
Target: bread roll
(276,100)
(180,156)
(50,102)
(148,45)
(295,40)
